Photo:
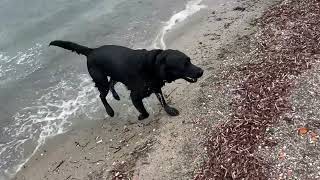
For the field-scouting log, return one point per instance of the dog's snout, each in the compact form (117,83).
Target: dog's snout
(200,73)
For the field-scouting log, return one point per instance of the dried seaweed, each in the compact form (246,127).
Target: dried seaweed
(288,41)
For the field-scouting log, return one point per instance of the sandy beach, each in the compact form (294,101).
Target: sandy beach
(162,147)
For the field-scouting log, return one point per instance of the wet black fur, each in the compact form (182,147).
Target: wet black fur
(143,72)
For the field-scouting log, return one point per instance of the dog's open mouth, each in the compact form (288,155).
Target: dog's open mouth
(191,80)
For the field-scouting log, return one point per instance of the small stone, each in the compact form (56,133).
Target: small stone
(238,8)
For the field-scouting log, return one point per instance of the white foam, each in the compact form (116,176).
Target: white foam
(192,7)
(49,115)
(19,65)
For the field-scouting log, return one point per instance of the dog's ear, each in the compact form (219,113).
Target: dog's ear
(161,58)
(161,64)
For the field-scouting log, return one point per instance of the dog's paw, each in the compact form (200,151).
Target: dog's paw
(171,111)
(143,116)
(110,112)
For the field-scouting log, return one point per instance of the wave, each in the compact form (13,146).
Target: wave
(191,8)
(20,65)
(48,116)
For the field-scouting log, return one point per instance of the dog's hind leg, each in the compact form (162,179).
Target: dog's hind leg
(113,91)
(103,94)
(170,110)
(102,84)
(138,104)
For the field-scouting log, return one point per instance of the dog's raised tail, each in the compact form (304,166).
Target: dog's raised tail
(72,47)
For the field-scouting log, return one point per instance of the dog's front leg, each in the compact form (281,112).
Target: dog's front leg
(138,104)
(170,110)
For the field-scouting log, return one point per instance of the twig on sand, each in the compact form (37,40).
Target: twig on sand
(57,167)
(172,91)
(168,96)
(94,162)
(116,148)
(127,140)
(83,146)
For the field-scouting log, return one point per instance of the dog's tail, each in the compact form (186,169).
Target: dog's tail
(72,47)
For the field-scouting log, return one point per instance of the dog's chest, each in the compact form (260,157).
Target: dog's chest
(151,87)
(145,87)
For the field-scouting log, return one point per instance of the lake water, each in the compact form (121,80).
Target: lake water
(44,90)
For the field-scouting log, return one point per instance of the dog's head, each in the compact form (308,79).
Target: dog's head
(173,65)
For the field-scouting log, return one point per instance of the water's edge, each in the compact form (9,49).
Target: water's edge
(191,8)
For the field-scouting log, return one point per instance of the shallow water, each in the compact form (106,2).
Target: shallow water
(43,91)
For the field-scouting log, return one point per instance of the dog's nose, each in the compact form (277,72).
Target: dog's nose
(200,73)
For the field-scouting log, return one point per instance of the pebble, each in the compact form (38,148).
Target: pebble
(238,8)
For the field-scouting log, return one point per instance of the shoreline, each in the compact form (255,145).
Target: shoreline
(38,142)
(191,8)
(110,147)
(169,27)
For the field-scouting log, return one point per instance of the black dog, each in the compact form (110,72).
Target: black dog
(143,72)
